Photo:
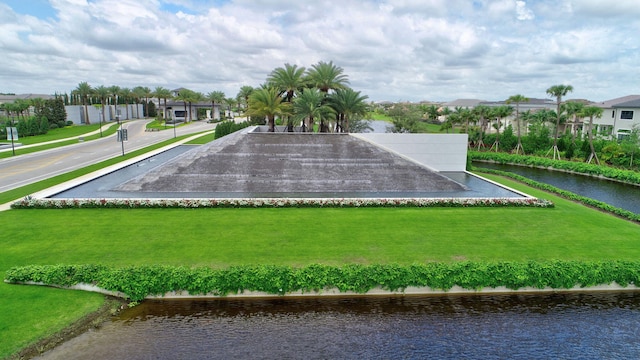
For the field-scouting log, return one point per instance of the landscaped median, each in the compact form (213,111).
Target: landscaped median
(139,282)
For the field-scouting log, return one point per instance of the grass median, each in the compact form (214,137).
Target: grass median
(289,236)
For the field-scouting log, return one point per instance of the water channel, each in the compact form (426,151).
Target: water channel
(553,326)
(617,194)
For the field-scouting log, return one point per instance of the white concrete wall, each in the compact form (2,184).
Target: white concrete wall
(439,152)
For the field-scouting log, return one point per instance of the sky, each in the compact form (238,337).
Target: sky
(391,50)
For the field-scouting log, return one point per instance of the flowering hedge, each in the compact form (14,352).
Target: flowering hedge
(138,282)
(32,203)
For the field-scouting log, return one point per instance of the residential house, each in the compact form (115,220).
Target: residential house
(619,115)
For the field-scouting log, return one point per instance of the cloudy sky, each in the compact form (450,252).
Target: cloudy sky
(397,50)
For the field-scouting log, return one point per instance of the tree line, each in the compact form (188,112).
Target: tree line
(536,132)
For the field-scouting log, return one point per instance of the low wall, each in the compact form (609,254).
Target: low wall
(439,152)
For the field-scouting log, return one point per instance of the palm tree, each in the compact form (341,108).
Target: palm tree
(347,104)
(326,76)
(267,102)
(500,113)
(103,93)
(184,96)
(308,106)
(558,91)
(143,92)
(196,97)
(83,91)
(244,93)
(215,97)
(591,112)
(484,113)
(288,80)
(573,108)
(125,93)
(114,92)
(164,94)
(517,99)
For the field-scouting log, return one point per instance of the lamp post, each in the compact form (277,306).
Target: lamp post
(100,115)
(174,124)
(13,148)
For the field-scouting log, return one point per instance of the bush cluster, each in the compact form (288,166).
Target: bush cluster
(228,127)
(138,282)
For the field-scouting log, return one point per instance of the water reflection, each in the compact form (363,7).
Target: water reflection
(613,193)
(592,326)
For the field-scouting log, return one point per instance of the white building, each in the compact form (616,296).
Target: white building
(618,116)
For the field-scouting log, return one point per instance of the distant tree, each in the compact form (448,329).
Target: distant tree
(484,113)
(115,92)
(500,113)
(558,91)
(84,90)
(243,95)
(143,93)
(162,94)
(126,95)
(103,94)
(573,109)
(631,144)
(518,99)
(591,112)
(216,97)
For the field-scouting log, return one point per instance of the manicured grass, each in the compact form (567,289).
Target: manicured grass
(378,116)
(202,139)
(60,133)
(22,151)
(289,236)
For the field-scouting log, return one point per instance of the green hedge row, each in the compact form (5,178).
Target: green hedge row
(565,194)
(228,127)
(137,282)
(628,176)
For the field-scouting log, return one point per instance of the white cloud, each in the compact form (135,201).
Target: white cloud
(390,49)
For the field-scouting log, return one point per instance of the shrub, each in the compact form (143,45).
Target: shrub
(138,282)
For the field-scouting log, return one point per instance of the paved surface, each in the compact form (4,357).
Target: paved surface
(25,169)
(293,163)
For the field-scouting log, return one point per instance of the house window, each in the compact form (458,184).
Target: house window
(180,113)
(626,114)
(613,114)
(605,130)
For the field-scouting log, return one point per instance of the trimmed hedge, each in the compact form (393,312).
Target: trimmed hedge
(33,203)
(628,176)
(626,214)
(138,282)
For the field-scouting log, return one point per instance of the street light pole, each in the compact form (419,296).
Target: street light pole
(100,115)
(13,148)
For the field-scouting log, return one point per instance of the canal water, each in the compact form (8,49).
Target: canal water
(614,193)
(524,326)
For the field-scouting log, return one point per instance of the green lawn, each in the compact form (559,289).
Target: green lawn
(21,151)
(60,133)
(223,237)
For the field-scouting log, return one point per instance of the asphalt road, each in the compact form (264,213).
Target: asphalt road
(25,169)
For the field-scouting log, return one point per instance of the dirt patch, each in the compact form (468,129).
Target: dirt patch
(111,307)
